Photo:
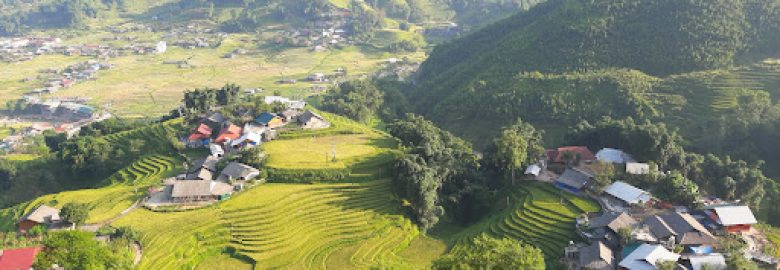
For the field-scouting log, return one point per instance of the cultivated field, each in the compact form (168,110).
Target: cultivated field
(540,215)
(290,226)
(312,152)
(143,86)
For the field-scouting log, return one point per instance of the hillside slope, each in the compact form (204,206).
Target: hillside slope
(569,60)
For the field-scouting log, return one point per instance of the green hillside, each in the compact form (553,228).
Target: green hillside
(539,214)
(691,64)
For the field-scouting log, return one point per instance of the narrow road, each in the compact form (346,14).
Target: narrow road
(138,253)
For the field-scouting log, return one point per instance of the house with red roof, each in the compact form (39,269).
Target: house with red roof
(200,137)
(18,259)
(578,153)
(229,133)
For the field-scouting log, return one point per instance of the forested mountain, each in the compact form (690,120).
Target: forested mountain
(17,16)
(571,60)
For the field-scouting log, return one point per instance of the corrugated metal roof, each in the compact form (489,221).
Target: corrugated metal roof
(610,155)
(628,193)
(735,215)
(647,256)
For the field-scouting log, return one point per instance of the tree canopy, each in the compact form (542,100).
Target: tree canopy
(487,252)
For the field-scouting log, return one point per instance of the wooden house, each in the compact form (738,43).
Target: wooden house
(312,120)
(45,215)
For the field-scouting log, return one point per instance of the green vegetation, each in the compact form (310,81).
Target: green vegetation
(435,165)
(517,147)
(80,250)
(358,100)
(486,252)
(538,214)
(342,226)
(74,213)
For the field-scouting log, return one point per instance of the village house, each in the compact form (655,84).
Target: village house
(228,133)
(215,119)
(44,215)
(608,226)
(733,218)
(647,257)
(290,115)
(203,169)
(614,156)
(186,191)
(200,137)
(714,261)
(290,104)
(573,180)
(628,194)
(312,120)
(534,170)
(570,154)
(317,77)
(596,256)
(238,172)
(269,120)
(249,139)
(681,229)
(216,151)
(18,259)
(637,168)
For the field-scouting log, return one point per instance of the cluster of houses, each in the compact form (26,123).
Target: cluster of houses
(319,40)
(204,183)
(26,48)
(636,231)
(56,79)
(194,36)
(327,31)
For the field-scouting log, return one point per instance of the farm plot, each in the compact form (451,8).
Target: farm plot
(317,152)
(287,226)
(309,227)
(126,186)
(541,215)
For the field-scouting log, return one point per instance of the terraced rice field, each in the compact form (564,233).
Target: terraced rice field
(311,227)
(712,93)
(122,190)
(540,215)
(154,137)
(288,226)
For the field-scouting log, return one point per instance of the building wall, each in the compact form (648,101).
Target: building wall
(26,225)
(738,228)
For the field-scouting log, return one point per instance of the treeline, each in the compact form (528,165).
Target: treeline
(685,173)
(55,14)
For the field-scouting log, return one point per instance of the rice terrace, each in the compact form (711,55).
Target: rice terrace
(389,134)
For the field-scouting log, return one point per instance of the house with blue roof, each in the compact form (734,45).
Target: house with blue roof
(269,120)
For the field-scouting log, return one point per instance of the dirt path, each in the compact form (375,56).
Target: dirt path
(138,253)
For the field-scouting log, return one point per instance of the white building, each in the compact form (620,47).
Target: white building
(161,47)
(647,257)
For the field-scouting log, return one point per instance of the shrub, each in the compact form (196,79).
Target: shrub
(307,175)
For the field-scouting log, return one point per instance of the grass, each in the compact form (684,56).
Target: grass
(773,235)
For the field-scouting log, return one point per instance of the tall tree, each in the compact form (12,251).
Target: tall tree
(517,146)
